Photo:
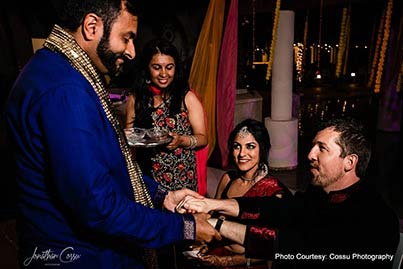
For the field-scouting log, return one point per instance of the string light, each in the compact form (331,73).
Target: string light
(319,39)
(376,52)
(347,40)
(342,43)
(273,39)
(305,44)
(384,46)
(298,56)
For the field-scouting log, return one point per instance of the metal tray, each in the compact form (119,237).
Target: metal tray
(149,142)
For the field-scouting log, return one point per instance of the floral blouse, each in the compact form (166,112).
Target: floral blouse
(174,169)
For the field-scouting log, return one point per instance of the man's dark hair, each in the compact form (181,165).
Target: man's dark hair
(72,14)
(352,140)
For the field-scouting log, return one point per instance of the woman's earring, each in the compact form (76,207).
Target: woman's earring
(148,81)
(265,169)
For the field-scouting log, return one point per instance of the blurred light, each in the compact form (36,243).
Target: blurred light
(352,74)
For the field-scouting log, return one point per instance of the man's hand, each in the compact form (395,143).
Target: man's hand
(204,231)
(174,197)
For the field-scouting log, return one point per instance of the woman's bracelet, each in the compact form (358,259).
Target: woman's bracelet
(193,142)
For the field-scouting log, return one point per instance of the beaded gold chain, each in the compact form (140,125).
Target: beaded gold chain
(62,42)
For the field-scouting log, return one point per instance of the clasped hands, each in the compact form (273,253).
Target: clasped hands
(175,201)
(197,204)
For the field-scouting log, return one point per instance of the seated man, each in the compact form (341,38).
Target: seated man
(338,222)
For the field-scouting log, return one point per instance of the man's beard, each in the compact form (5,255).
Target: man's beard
(108,58)
(324,181)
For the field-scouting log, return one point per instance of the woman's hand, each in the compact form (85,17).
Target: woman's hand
(227,207)
(217,261)
(174,198)
(198,205)
(184,141)
(175,142)
(236,248)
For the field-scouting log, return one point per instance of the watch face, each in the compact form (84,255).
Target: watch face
(220,220)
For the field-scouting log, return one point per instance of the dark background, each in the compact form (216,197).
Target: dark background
(180,22)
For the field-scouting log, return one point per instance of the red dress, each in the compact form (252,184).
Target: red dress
(267,186)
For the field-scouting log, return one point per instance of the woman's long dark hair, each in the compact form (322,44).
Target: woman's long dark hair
(176,90)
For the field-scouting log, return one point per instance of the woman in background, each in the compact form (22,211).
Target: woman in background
(162,99)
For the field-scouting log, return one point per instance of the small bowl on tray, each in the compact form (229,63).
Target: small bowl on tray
(157,134)
(139,137)
(135,133)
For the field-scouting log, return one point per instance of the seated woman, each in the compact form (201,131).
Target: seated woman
(248,145)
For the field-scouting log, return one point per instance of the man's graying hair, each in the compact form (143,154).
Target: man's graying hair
(352,140)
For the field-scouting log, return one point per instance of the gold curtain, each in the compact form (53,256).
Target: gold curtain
(203,72)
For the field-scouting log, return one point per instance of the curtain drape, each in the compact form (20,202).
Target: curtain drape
(226,81)
(203,72)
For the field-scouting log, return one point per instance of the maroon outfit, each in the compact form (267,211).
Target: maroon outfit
(350,228)
(266,187)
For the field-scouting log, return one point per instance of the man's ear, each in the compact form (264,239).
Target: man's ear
(350,161)
(92,26)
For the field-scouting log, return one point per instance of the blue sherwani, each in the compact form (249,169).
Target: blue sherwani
(76,206)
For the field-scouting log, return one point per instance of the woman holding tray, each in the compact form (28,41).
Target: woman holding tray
(162,99)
